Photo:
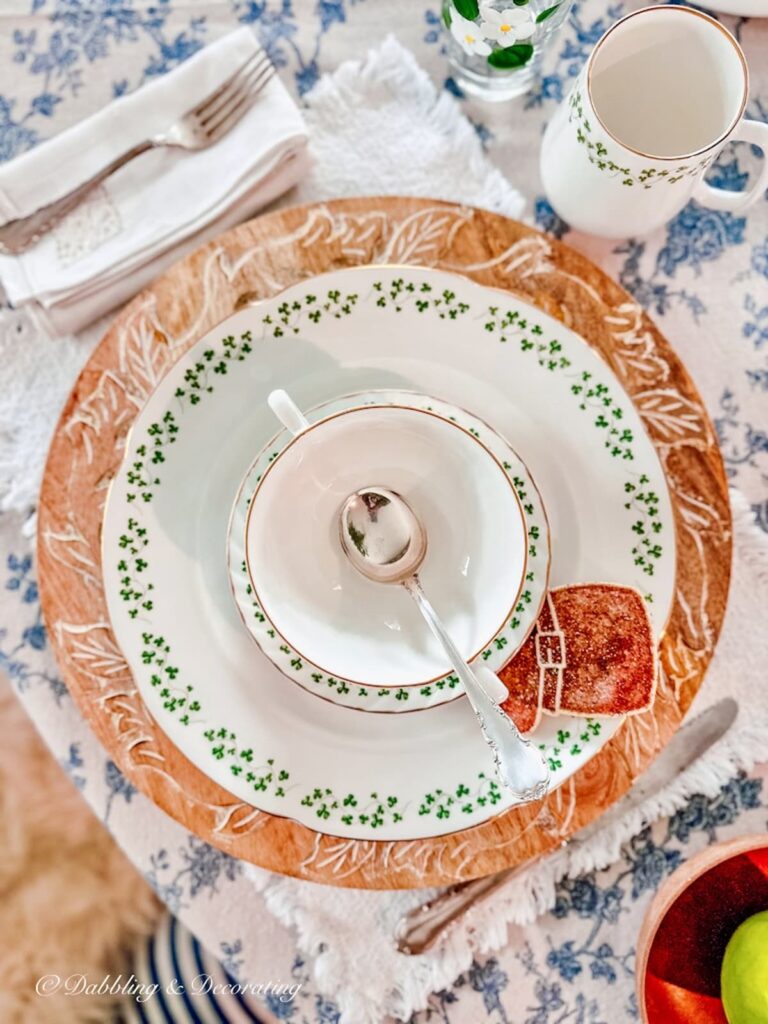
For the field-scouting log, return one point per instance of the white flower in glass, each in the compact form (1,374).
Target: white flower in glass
(468,35)
(506,26)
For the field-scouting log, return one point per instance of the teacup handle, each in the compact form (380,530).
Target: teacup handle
(755,132)
(286,410)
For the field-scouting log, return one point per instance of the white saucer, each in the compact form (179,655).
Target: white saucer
(365,645)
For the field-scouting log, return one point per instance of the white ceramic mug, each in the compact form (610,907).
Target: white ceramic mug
(662,92)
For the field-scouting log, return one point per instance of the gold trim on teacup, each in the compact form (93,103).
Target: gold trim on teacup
(405,408)
(681,10)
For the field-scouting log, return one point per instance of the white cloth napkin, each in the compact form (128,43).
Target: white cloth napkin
(162,203)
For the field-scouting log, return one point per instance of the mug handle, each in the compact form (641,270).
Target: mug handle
(755,132)
(286,410)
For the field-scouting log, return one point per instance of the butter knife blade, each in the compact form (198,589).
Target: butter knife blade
(420,928)
(687,745)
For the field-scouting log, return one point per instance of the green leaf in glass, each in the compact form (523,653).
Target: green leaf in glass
(447,16)
(467,8)
(546,14)
(511,56)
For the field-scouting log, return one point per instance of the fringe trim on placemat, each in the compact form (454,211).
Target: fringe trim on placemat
(419,141)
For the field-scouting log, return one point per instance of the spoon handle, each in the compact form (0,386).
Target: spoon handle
(519,765)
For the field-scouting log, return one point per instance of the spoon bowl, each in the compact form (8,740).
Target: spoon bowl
(381,535)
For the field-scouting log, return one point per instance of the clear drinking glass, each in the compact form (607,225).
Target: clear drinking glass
(495,46)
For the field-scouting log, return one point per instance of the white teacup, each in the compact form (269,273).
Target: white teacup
(662,92)
(340,624)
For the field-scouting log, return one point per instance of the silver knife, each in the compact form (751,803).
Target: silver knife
(420,928)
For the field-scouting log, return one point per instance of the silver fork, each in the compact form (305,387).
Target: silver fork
(197,129)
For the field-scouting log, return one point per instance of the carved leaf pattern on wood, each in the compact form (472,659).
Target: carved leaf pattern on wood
(525,258)
(422,237)
(672,419)
(683,664)
(412,860)
(338,857)
(637,734)
(144,353)
(108,408)
(360,238)
(634,353)
(237,818)
(72,551)
(93,649)
(701,529)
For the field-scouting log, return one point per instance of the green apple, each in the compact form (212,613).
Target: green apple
(744,975)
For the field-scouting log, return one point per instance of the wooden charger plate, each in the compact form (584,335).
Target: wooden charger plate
(256,260)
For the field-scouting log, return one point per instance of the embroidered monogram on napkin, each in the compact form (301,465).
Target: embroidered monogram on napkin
(88,226)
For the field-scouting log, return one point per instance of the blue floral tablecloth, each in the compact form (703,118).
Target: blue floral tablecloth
(705,277)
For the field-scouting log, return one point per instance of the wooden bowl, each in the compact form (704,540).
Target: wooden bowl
(694,914)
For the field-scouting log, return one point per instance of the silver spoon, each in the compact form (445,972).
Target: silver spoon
(294,420)
(386,542)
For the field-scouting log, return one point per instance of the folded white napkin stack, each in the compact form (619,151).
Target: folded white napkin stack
(160,204)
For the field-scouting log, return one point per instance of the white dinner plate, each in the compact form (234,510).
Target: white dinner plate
(223,704)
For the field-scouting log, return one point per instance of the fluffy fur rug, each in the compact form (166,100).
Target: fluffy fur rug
(70,901)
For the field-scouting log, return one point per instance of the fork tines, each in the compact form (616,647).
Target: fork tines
(246,80)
